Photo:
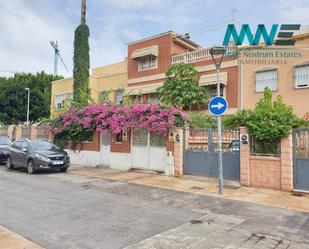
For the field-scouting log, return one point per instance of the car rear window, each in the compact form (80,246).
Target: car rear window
(5,141)
(42,145)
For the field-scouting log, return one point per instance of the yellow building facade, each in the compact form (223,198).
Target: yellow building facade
(105,83)
(283,69)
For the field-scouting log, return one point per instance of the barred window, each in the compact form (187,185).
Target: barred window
(119,97)
(267,78)
(212,90)
(61,99)
(301,76)
(147,62)
(104,96)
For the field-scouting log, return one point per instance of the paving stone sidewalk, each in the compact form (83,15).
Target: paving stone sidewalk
(200,185)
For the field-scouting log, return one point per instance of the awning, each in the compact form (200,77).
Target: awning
(211,79)
(153,50)
(138,90)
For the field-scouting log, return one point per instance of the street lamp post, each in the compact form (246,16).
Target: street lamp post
(28,104)
(217,54)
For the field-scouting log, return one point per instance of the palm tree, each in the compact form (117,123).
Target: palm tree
(83,12)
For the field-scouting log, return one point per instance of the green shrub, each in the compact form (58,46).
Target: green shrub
(202,120)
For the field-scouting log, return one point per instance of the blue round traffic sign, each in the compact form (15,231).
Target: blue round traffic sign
(217,106)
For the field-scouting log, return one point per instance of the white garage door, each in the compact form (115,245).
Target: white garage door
(148,151)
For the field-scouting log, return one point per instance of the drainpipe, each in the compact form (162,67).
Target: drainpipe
(241,86)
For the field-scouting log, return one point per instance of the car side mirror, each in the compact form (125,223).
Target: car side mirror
(24,149)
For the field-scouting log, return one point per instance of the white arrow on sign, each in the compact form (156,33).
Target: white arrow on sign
(218,106)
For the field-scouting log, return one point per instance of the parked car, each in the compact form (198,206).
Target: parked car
(35,155)
(5,143)
(233,146)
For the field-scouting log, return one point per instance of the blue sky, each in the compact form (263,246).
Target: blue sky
(27,26)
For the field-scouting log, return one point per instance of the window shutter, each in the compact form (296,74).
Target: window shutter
(268,78)
(302,76)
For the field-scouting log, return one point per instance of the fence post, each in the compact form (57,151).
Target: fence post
(287,163)
(244,160)
(178,151)
(34,131)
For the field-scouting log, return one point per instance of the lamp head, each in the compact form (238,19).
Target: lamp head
(217,50)
(217,54)
(27,89)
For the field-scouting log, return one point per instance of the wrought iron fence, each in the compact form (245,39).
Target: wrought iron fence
(265,148)
(207,139)
(302,143)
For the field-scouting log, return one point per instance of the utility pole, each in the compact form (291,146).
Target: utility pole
(83,12)
(28,104)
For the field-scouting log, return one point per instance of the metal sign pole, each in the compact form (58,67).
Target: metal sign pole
(217,106)
(220,168)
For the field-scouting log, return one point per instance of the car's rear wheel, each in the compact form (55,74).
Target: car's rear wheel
(30,167)
(9,164)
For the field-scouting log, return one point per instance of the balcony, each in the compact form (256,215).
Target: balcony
(200,55)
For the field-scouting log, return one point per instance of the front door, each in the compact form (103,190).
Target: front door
(105,148)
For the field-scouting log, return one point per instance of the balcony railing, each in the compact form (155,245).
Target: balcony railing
(200,55)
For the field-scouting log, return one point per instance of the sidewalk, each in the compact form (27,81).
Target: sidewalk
(199,185)
(11,240)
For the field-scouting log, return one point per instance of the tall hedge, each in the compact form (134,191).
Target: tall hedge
(81,65)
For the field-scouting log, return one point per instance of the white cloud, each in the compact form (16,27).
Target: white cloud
(294,11)
(131,4)
(27,26)
(24,43)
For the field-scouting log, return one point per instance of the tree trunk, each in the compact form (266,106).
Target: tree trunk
(83,12)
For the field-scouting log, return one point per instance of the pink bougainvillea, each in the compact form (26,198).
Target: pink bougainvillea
(105,117)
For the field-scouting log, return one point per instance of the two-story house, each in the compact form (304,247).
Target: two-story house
(106,83)
(285,70)
(149,59)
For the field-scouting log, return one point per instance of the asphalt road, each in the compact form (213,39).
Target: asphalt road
(61,210)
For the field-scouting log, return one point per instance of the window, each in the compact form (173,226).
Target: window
(147,62)
(136,99)
(119,137)
(119,97)
(212,90)
(153,98)
(61,100)
(103,96)
(301,76)
(266,78)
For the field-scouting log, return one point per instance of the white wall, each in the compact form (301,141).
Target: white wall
(120,160)
(85,158)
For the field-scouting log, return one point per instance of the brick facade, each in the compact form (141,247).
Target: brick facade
(93,145)
(167,47)
(164,57)
(232,84)
(267,172)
